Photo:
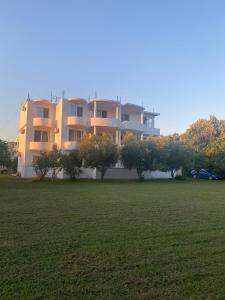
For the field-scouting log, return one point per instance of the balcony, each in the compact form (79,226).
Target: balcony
(134,126)
(151,131)
(71,145)
(105,122)
(77,121)
(42,122)
(41,146)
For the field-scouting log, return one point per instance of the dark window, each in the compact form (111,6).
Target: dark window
(46,113)
(71,135)
(101,113)
(40,136)
(125,117)
(104,114)
(75,135)
(79,111)
(42,112)
(37,136)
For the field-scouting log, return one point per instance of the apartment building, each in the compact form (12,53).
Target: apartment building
(65,122)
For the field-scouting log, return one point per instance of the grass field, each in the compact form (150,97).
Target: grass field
(112,240)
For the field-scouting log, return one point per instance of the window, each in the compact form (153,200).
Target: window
(76,111)
(40,136)
(75,135)
(125,117)
(101,113)
(42,112)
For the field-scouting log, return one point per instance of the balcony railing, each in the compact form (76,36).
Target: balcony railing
(151,131)
(105,122)
(71,145)
(42,122)
(130,125)
(41,146)
(76,121)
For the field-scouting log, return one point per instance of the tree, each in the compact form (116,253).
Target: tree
(55,162)
(139,155)
(42,165)
(72,163)
(215,153)
(99,152)
(204,132)
(175,155)
(5,159)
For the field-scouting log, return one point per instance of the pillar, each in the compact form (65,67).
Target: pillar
(142,117)
(153,123)
(95,109)
(118,137)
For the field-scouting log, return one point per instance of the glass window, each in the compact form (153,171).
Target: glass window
(79,111)
(101,113)
(76,111)
(125,117)
(42,112)
(75,135)
(46,113)
(40,136)
(37,135)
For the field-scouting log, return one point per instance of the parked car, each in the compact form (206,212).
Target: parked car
(205,174)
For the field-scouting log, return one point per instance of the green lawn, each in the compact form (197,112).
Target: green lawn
(112,240)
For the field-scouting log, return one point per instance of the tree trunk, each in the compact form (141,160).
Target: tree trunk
(172,173)
(102,174)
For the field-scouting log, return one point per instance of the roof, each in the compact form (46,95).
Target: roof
(133,107)
(149,113)
(77,99)
(105,100)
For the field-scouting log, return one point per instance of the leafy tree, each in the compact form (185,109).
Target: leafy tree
(42,165)
(72,163)
(55,162)
(5,159)
(14,164)
(215,153)
(139,155)
(175,156)
(204,132)
(99,152)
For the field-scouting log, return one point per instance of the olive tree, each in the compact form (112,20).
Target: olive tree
(139,155)
(42,165)
(72,163)
(99,152)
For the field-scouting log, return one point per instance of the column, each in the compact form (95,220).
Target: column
(95,109)
(153,122)
(142,117)
(95,115)
(118,137)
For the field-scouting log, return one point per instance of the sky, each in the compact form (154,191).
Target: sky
(167,54)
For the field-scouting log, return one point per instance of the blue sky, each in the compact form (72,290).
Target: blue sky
(168,54)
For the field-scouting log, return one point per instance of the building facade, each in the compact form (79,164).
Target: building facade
(65,122)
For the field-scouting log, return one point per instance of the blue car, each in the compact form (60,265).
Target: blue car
(205,174)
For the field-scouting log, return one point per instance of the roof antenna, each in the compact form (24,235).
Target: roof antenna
(63,94)
(96,95)
(89,98)
(51,96)
(28,97)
